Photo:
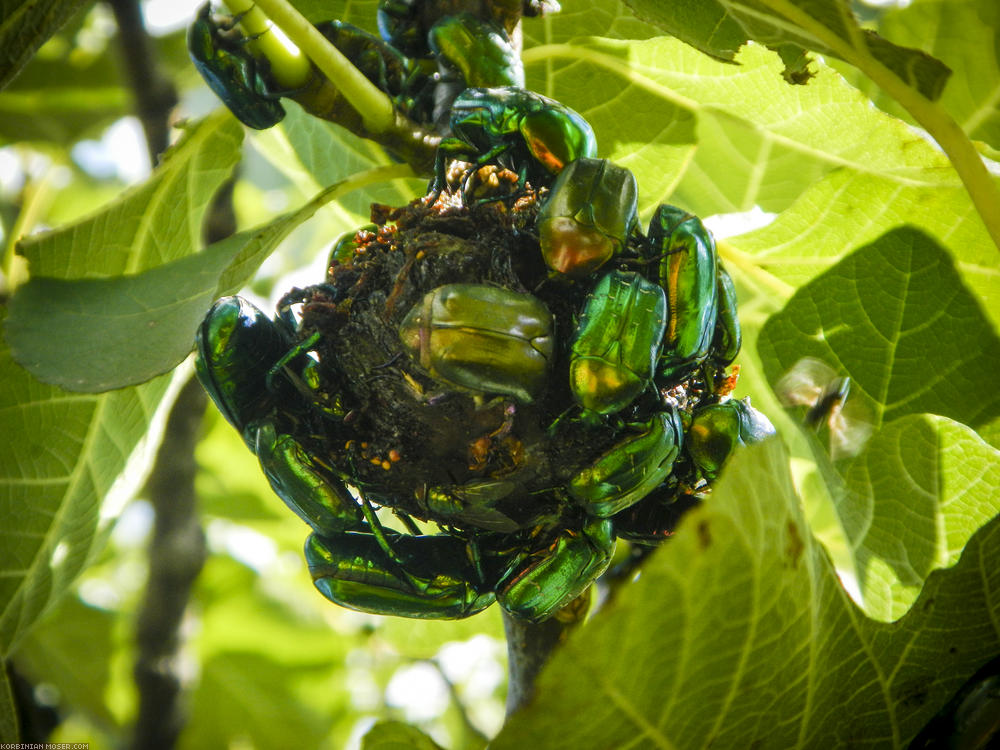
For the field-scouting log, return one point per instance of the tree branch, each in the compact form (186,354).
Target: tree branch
(154,93)
(176,555)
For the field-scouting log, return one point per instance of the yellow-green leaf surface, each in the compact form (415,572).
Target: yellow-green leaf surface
(965,35)
(827,26)
(896,318)
(738,634)
(717,138)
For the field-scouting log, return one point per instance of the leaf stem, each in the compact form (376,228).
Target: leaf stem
(750,265)
(929,115)
(375,107)
(290,68)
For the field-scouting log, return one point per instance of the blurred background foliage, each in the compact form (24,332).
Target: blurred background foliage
(268,662)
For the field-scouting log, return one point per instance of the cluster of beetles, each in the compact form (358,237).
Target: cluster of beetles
(496,381)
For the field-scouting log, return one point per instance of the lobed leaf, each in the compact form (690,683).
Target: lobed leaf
(717,139)
(911,502)
(738,634)
(895,317)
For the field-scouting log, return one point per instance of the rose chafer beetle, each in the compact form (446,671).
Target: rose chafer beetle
(237,346)
(236,76)
(549,578)
(717,430)
(431,577)
(520,130)
(483,338)
(687,270)
(250,366)
(470,53)
(728,338)
(631,469)
(588,216)
(617,342)
(403,80)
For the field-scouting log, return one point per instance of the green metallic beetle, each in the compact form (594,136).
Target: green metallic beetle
(687,270)
(243,361)
(236,77)
(402,79)
(483,338)
(400,23)
(717,430)
(237,346)
(617,342)
(431,578)
(470,53)
(728,337)
(479,503)
(631,469)
(549,578)
(520,130)
(588,216)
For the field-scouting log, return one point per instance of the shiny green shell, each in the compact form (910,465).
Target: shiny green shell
(232,73)
(631,469)
(352,570)
(686,260)
(483,338)
(617,342)
(588,216)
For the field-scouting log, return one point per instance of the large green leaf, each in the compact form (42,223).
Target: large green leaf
(965,35)
(88,291)
(895,317)
(94,335)
(738,634)
(151,224)
(718,27)
(715,138)
(910,503)
(63,455)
